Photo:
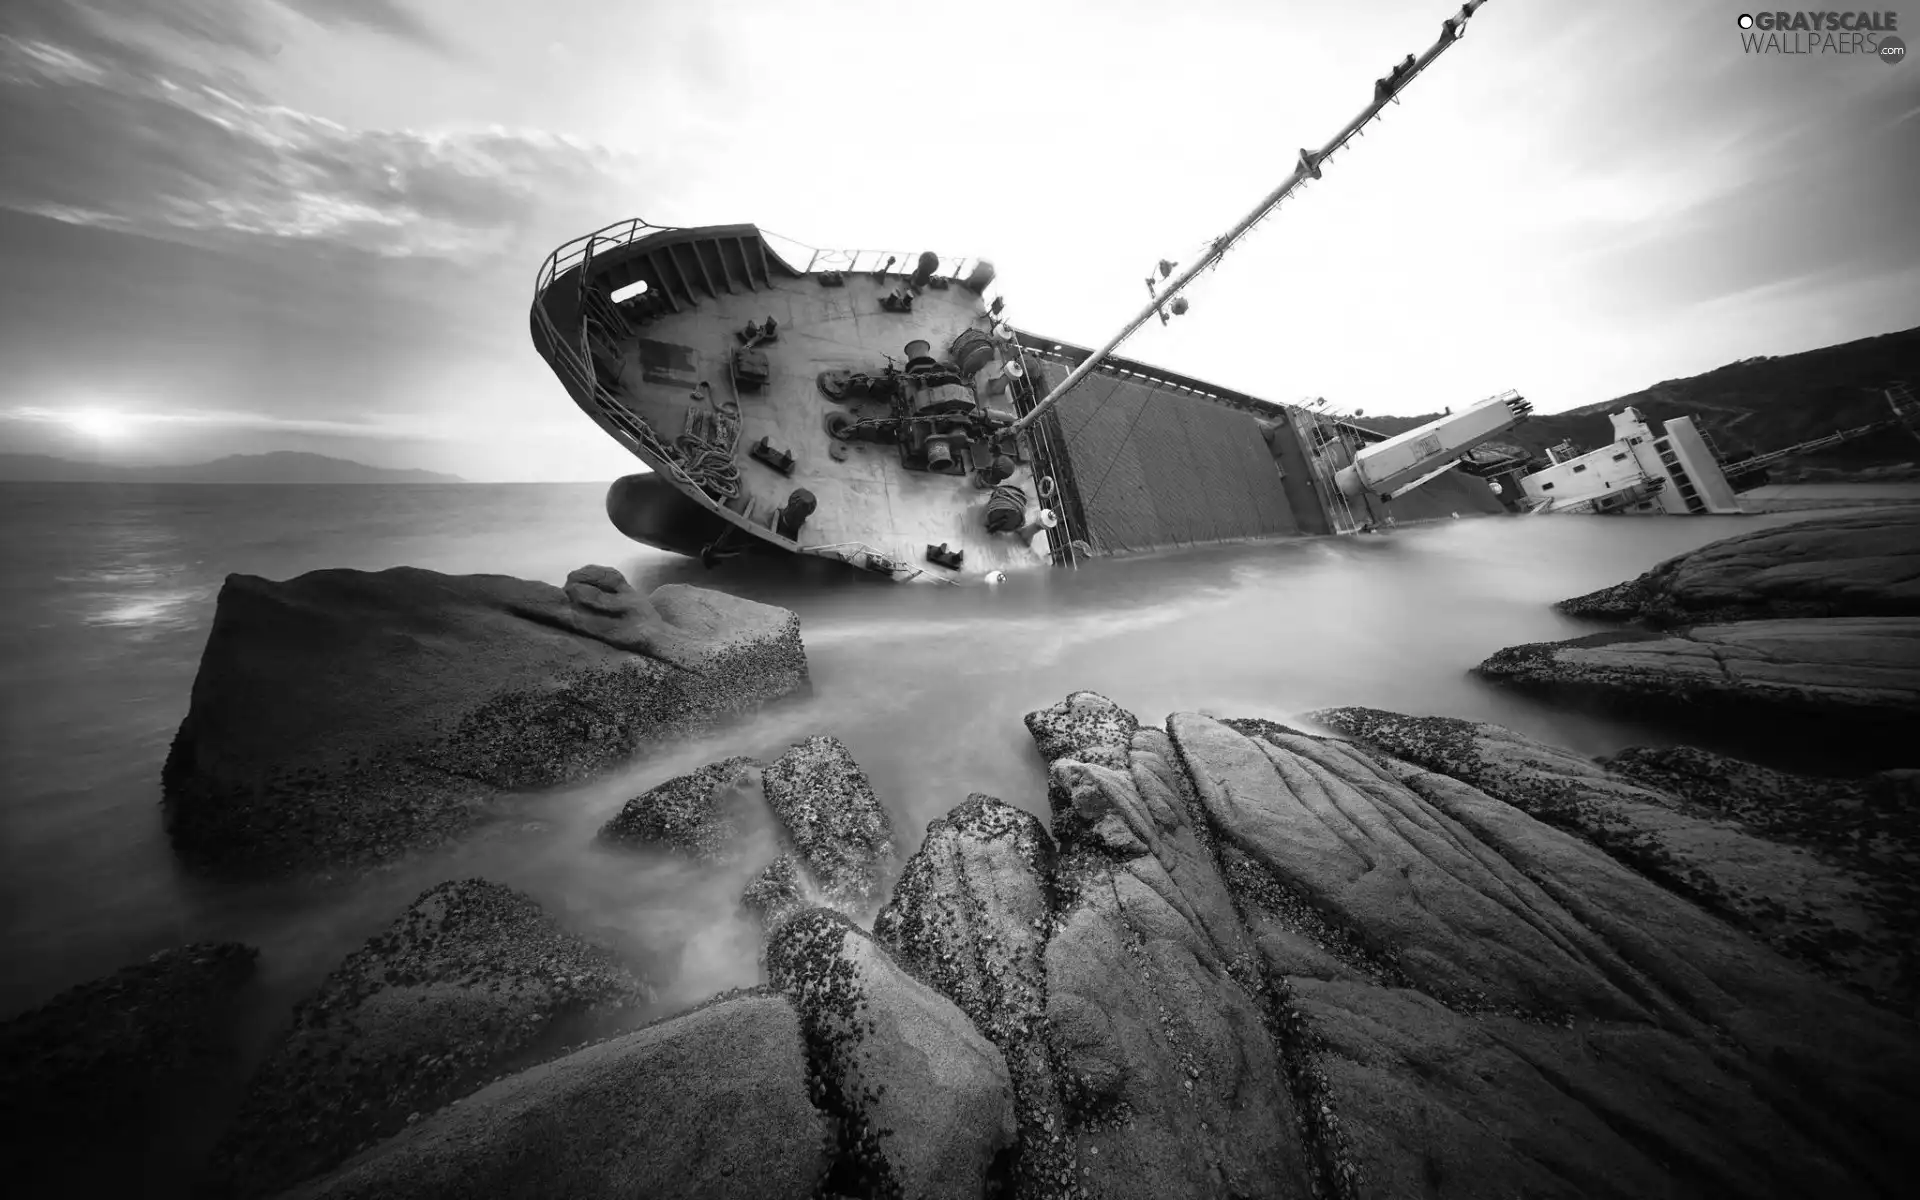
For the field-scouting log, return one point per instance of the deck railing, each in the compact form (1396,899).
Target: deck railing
(795,254)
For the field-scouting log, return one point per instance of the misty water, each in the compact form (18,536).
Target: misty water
(108,591)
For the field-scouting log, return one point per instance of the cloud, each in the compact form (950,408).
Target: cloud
(379,427)
(247,26)
(157,134)
(380,16)
(408,427)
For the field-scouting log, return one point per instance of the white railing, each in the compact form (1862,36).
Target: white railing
(797,255)
(812,260)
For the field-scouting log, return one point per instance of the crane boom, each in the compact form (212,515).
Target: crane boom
(1307,167)
(1407,460)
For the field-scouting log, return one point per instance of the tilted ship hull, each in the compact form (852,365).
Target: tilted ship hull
(874,408)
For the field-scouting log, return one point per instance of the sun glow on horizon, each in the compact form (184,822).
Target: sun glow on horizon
(100,424)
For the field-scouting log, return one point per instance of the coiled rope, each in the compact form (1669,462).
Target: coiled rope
(707,449)
(1006,508)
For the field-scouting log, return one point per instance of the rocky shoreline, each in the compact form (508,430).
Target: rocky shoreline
(1804,635)
(1377,955)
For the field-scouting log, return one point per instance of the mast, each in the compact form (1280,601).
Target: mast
(1308,167)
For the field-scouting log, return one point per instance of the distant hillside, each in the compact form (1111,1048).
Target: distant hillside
(280,466)
(1763,404)
(1759,404)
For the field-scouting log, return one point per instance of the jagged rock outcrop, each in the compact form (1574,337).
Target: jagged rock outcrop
(1112,973)
(472,980)
(924,1102)
(712,1103)
(1689,1050)
(90,1080)
(701,814)
(1255,962)
(1849,686)
(344,717)
(1271,955)
(1858,564)
(1796,871)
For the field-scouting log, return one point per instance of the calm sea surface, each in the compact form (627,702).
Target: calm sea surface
(106,592)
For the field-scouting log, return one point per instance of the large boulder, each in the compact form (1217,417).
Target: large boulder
(713,1103)
(96,1082)
(1719,844)
(344,717)
(472,980)
(924,1102)
(1849,686)
(1858,564)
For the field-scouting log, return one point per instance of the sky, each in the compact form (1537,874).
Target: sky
(230,226)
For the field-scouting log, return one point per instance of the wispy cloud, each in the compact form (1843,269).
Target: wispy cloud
(152,135)
(411,427)
(395,426)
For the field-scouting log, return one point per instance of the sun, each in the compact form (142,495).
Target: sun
(98,423)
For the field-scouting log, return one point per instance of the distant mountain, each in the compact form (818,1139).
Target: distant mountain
(1758,404)
(279,466)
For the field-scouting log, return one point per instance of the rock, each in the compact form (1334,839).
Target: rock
(1872,824)
(1167,1034)
(970,916)
(1086,726)
(93,1082)
(1327,823)
(645,1114)
(925,1102)
(344,717)
(834,821)
(778,892)
(1847,685)
(473,979)
(1857,564)
(699,814)
(1804,898)
(1549,993)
